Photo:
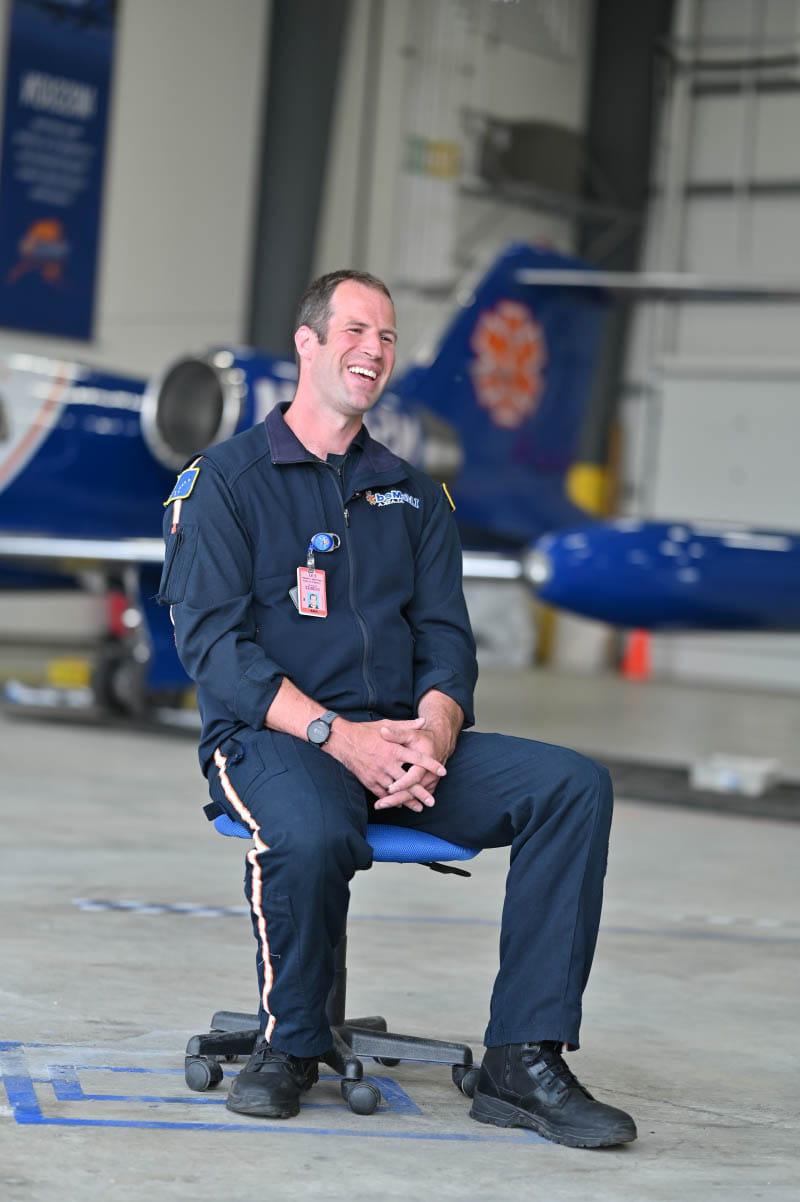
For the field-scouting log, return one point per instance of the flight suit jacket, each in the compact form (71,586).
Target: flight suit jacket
(397,623)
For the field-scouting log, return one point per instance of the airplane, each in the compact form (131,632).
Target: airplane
(495,407)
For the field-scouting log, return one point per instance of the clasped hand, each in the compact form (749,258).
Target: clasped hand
(395,760)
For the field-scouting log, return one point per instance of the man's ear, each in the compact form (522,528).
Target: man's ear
(305,340)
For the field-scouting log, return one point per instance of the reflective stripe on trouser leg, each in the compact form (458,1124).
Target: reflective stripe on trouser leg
(257,893)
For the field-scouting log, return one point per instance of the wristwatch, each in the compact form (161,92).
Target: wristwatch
(319,730)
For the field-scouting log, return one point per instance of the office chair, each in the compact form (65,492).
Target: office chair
(233,1034)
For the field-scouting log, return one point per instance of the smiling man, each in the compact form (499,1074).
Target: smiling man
(315,586)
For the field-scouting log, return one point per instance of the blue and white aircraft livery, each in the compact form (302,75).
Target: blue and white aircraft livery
(87,459)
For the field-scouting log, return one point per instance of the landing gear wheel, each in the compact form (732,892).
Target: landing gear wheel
(465,1078)
(202,1073)
(386,1061)
(361,1097)
(117,681)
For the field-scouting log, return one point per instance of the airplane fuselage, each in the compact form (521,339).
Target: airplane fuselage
(72,457)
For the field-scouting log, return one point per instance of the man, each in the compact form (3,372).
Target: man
(313,716)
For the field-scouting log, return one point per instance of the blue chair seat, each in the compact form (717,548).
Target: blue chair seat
(390,844)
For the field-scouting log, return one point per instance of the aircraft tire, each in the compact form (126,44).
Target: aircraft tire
(117,681)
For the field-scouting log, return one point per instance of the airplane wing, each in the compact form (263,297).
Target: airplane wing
(85,552)
(664,285)
(47,551)
(492,565)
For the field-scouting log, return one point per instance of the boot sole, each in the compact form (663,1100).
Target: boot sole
(503,1114)
(262,1110)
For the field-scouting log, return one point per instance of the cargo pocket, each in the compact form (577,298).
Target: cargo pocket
(178,560)
(250,761)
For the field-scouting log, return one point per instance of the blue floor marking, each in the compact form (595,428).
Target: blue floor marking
(64,1080)
(67,1088)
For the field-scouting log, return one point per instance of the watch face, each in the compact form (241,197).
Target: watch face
(318,731)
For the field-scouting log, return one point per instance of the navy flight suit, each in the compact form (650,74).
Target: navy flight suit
(397,626)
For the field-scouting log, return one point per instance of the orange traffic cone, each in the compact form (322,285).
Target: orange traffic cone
(636,663)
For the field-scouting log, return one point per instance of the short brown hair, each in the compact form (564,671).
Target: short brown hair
(314,309)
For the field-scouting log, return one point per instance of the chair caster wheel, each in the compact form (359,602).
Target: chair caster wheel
(386,1061)
(361,1097)
(202,1073)
(465,1078)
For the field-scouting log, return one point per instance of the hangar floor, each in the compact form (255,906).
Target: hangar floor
(690,1016)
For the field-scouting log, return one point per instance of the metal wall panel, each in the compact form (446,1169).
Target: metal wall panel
(725,18)
(715,138)
(727,448)
(777,146)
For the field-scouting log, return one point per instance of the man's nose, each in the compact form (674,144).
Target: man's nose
(372,345)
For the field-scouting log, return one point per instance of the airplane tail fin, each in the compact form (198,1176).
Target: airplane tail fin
(512,374)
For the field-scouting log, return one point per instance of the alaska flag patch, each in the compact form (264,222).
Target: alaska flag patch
(183,485)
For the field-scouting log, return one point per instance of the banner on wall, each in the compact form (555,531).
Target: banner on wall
(58,77)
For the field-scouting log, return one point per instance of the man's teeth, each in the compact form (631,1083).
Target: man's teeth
(364,371)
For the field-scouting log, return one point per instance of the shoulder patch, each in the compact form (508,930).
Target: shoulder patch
(450,500)
(183,485)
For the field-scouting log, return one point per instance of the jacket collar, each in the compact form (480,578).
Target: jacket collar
(378,464)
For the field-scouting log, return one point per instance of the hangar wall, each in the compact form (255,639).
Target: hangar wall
(428,73)
(174,270)
(713,389)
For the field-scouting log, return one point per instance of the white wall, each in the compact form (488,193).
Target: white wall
(183,148)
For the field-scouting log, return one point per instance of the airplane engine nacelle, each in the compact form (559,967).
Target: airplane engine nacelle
(198,401)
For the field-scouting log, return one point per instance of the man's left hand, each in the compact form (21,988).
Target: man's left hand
(443,721)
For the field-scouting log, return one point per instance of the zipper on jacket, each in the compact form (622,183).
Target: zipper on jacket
(360,622)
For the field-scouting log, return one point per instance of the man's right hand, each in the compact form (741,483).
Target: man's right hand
(376,761)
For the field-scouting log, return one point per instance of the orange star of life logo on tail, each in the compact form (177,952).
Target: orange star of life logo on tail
(510,357)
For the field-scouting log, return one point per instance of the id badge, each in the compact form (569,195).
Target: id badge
(312,600)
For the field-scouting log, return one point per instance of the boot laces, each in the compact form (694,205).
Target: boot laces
(263,1053)
(554,1066)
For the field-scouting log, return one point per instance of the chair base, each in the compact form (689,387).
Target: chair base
(234,1034)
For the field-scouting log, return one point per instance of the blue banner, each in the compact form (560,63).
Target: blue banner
(58,77)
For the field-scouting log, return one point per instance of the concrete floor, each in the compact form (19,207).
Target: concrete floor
(690,1015)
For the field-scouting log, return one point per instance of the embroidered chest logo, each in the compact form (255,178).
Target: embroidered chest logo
(393,497)
(510,358)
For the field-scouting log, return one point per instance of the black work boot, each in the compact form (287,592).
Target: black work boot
(271,1082)
(529,1085)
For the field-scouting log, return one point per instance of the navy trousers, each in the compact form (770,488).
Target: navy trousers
(308,815)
